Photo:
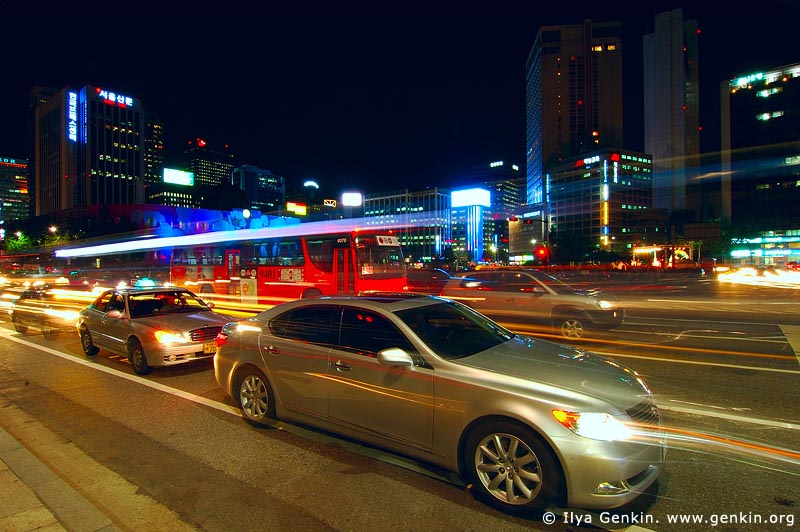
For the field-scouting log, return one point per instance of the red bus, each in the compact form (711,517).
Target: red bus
(276,269)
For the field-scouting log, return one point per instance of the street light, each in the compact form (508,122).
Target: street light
(53,229)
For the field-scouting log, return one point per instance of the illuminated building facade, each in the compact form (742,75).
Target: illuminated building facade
(471,224)
(507,189)
(265,190)
(599,196)
(89,149)
(210,166)
(760,185)
(573,93)
(671,112)
(14,198)
(153,148)
(426,213)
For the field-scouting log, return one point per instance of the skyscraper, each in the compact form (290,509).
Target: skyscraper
(761,151)
(573,97)
(14,204)
(265,190)
(89,149)
(671,111)
(210,166)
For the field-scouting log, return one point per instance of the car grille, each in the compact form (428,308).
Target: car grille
(206,334)
(645,413)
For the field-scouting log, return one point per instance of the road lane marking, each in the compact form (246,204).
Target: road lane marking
(133,378)
(792,334)
(698,363)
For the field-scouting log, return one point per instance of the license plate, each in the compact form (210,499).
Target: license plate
(209,348)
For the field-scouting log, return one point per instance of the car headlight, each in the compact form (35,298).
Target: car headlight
(166,337)
(605,305)
(594,425)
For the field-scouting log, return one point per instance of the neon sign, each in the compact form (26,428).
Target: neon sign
(72,116)
(114,98)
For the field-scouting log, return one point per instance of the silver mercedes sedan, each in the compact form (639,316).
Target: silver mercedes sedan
(150,326)
(527,422)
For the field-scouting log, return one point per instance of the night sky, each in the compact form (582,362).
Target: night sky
(356,101)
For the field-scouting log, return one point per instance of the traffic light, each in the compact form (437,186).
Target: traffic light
(541,253)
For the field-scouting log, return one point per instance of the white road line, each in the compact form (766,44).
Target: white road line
(155,385)
(698,363)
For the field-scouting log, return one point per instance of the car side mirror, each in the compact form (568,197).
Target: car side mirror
(394,356)
(114,313)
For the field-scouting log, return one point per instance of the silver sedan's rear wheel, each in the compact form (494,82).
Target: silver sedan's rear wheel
(511,468)
(254,395)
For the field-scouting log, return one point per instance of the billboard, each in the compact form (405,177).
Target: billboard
(178,177)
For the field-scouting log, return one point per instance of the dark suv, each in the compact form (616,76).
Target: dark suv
(528,295)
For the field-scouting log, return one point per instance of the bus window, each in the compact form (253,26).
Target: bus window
(320,251)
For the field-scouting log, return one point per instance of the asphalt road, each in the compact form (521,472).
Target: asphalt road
(726,378)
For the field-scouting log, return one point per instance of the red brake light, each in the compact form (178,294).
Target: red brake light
(221,339)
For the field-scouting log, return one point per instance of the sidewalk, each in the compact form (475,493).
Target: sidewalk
(35,498)
(47,484)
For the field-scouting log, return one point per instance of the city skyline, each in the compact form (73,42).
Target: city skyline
(360,104)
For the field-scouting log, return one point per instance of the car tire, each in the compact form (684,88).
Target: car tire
(47,331)
(570,327)
(138,358)
(86,342)
(18,326)
(530,487)
(254,396)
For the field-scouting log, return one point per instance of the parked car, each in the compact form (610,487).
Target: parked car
(526,421)
(151,326)
(531,295)
(42,310)
(427,280)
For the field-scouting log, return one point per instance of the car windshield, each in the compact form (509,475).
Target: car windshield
(161,303)
(453,330)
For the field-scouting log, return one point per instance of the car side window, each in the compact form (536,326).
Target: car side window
(482,281)
(365,332)
(314,324)
(520,283)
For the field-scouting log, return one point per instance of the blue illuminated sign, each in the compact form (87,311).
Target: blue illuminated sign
(72,116)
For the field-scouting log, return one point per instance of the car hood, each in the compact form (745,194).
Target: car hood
(185,322)
(564,367)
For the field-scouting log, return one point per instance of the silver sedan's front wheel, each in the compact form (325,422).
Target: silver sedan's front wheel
(512,469)
(571,328)
(255,396)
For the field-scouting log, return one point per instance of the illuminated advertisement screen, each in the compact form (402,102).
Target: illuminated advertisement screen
(469,197)
(352,199)
(178,177)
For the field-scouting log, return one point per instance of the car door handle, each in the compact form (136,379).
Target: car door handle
(341,366)
(271,349)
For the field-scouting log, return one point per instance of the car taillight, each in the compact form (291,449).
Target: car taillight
(221,339)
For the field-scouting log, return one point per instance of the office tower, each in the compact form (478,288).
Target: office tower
(760,129)
(265,190)
(14,201)
(573,97)
(425,215)
(671,111)
(599,198)
(153,148)
(507,189)
(89,149)
(211,166)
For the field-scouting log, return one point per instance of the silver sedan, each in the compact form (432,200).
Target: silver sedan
(151,327)
(527,422)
